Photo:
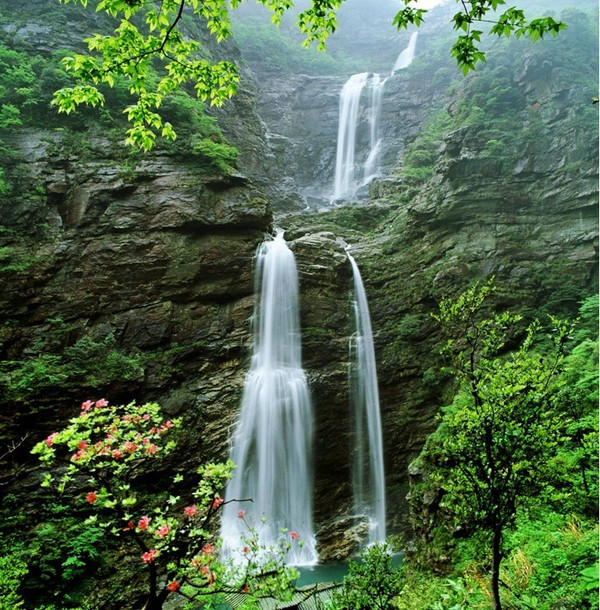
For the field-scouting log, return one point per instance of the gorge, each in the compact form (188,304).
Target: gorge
(130,276)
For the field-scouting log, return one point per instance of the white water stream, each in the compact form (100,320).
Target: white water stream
(345,184)
(368,475)
(272,443)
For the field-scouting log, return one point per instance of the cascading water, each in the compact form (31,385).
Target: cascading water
(272,443)
(368,471)
(407,55)
(344,183)
(372,162)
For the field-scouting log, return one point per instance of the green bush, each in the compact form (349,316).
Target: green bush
(12,570)
(371,583)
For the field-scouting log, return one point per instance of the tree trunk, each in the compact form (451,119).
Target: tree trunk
(496,559)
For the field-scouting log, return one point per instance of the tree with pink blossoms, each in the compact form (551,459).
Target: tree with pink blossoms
(108,447)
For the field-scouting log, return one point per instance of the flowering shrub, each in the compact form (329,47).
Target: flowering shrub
(109,445)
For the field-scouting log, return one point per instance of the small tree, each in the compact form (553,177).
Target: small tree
(372,583)
(494,442)
(108,447)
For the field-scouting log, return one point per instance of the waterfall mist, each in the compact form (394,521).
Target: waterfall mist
(368,476)
(272,443)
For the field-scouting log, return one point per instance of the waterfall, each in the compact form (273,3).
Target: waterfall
(368,472)
(372,162)
(344,162)
(407,55)
(272,443)
(344,183)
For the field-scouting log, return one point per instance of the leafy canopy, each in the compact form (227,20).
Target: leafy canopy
(150,33)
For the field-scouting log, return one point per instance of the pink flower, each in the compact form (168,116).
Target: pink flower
(190,511)
(294,535)
(241,514)
(169,424)
(86,406)
(83,445)
(144,522)
(51,438)
(117,453)
(207,549)
(129,447)
(217,502)
(145,417)
(173,586)
(102,403)
(149,556)
(162,531)
(91,497)
(151,449)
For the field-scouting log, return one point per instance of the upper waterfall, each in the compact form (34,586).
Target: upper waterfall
(344,182)
(345,185)
(272,443)
(407,55)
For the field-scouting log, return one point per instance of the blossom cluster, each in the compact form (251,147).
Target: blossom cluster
(107,444)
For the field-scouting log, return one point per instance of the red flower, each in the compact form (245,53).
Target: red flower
(245,549)
(151,449)
(101,403)
(144,522)
(149,556)
(117,453)
(86,406)
(83,445)
(241,514)
(162,531)
(91,497)
(190,511)
(129,447)
(130,526)
(294,535)
(245,589)
(50,439)
(217,502)
(173,586)
(207,549)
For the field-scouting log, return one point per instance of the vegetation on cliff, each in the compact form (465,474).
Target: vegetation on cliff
(146,33)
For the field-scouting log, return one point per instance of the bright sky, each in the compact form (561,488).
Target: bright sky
(429,3)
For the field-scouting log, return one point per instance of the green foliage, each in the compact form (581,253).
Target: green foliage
(222,157)
(148,36)
(105,446)
(538,477)
(371,583)
(84,364)
(549,553)
(260,40)
(420,160)
(466,49)
(12,570)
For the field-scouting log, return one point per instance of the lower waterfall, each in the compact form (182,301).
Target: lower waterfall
(368,479)
(272,443)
